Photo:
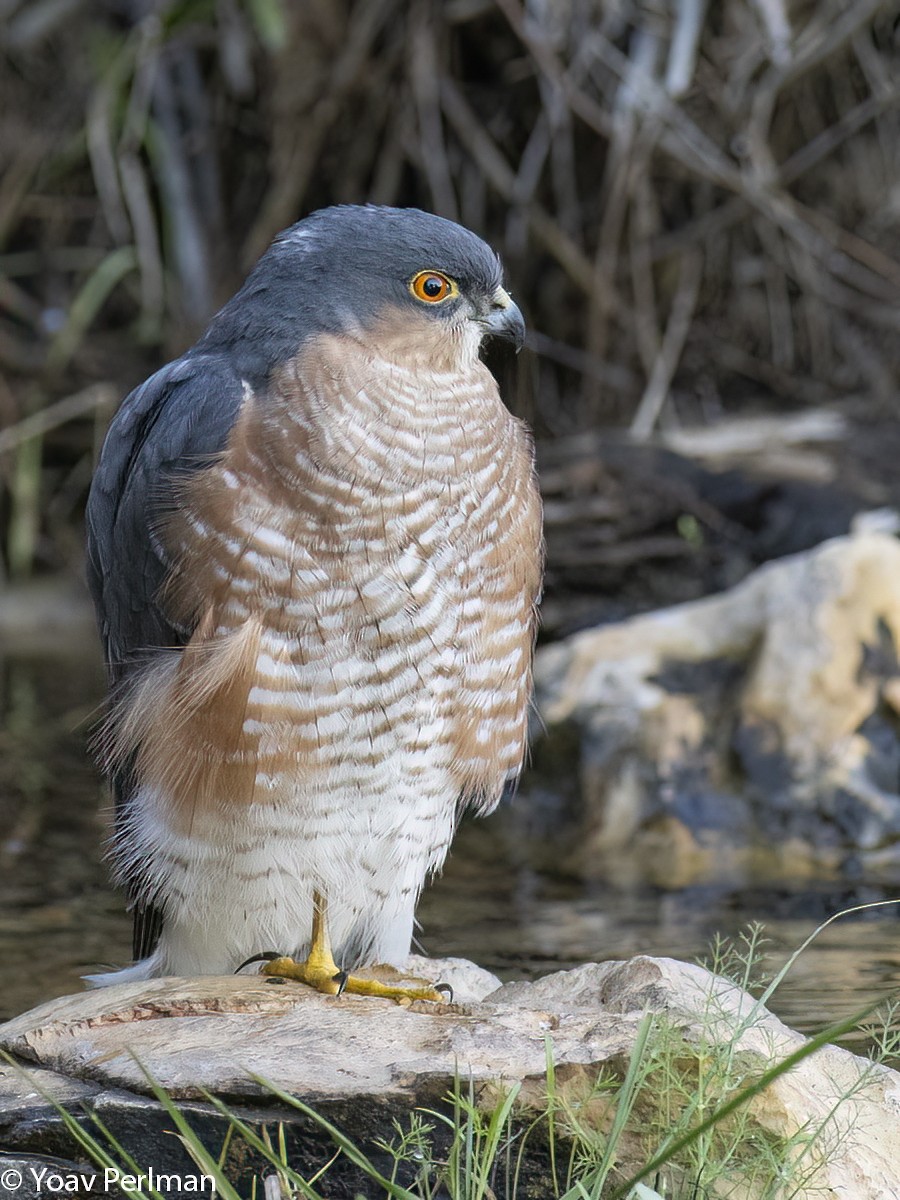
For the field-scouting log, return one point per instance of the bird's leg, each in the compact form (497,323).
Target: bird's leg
(322,972)
(319,970)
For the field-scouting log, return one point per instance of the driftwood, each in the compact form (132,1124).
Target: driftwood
(633,526)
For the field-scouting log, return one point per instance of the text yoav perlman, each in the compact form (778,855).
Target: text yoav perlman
(46,1180)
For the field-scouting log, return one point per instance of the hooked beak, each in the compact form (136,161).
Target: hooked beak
(505,320)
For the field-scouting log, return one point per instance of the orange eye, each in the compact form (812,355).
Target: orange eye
(432,287)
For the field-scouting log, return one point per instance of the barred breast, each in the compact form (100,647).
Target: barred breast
(359,572)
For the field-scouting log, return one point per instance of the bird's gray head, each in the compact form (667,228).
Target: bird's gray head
(350,269)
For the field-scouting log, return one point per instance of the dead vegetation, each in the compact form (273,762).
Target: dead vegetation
(697,204)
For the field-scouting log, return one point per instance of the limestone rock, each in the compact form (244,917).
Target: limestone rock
(763,715)
(366,1061)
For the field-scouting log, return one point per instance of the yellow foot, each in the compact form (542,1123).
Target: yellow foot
(323,974)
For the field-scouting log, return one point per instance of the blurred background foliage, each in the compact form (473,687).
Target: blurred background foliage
(698,205)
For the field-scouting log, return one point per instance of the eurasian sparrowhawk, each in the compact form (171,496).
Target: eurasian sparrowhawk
(315,550)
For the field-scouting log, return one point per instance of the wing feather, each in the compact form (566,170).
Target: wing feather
(175,423)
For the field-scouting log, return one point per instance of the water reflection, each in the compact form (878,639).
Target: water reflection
(500,900)
(58,914)
(524,923)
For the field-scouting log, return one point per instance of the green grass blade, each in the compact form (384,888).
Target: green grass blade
(87,304)
(189,1138)
(488,1152)
(845,912)
(83,1138)
(627,1096)
(263,1147)
(742,1097)
(350,1149)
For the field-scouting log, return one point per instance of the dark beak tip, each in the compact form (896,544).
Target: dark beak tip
(509,324)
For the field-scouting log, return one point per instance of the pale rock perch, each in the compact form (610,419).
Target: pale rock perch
(315,550)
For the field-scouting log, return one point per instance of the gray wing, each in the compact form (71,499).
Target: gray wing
(176,422)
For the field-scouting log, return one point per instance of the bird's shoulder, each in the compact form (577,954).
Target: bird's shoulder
(182,413)
(177,421)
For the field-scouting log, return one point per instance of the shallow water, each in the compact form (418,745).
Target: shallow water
(498,901)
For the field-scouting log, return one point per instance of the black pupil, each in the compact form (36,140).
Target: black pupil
(433,286)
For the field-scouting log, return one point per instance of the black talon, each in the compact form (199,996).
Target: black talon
(266,956)
(446,988)
(341,980)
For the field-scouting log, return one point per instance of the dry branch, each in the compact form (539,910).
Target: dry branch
(680,318)
(92,399)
